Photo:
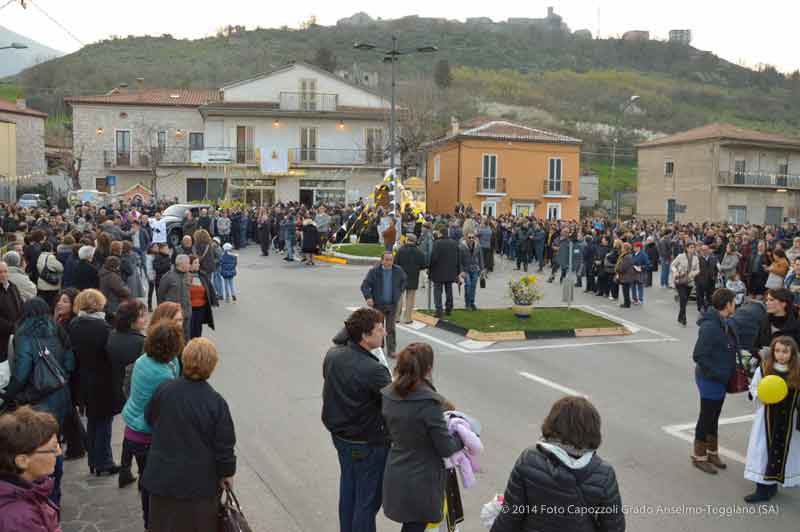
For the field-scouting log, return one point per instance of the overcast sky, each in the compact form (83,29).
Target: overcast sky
(739,32)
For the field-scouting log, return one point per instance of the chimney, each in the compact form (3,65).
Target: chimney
(21,104)
(455,127)
(123,88)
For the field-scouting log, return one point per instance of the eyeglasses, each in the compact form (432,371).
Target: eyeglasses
(55,451)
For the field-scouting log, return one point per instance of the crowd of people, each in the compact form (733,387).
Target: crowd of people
(81,342)
(76,294)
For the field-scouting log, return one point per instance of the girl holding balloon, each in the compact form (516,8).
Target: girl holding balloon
(773,453)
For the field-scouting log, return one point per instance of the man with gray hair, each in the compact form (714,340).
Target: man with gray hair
(85,274)
(175,287)
(10,310)
(18,277)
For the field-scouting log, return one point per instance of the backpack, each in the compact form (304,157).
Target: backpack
(227,265)
(49,275)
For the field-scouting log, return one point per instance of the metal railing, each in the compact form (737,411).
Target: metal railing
(176,156)
(759,179)
(334,156)
(308,101)
(557,187)
(490,185)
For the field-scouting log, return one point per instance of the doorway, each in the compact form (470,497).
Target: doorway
(307,197)
(553,211)
(522,209)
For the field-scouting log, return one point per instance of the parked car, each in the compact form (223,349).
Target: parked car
(28,201)
(173,217)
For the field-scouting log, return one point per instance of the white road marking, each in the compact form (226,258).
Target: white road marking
(434,339)
(679,431)
(416,325)
(634,327)
(475,344)
(551,384)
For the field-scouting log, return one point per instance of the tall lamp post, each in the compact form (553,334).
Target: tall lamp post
(632,100)
(393,56)
(15,46)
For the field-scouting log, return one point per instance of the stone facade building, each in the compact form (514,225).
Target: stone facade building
(30,137)
(297,133)
(720,172)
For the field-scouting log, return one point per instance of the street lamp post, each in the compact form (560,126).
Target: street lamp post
(633,99)
(392,56)
(15,46)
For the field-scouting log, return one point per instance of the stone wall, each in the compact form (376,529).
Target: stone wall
(30,144)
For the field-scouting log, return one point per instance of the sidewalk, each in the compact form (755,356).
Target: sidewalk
(92,504)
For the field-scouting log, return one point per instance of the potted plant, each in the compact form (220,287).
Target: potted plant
(524,293)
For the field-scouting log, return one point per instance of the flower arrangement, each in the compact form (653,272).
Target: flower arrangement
(524,290)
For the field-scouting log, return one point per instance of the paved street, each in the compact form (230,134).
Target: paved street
(272,343)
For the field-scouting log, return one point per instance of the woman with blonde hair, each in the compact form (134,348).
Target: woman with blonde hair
(204,251)
(191,420)
(88,333)
(626,274)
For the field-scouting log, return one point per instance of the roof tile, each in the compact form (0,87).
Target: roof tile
(160,97)
(10,107)
(718,130)
(501,130)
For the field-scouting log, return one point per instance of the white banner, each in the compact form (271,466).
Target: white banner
(274,160)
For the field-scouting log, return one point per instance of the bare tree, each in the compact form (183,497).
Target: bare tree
(153,155)
(419,117)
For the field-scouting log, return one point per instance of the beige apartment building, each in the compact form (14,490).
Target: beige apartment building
(720,172)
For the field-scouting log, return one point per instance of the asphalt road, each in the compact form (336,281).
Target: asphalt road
(273,339)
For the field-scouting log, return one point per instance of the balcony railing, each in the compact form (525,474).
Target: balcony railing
(308,101)
(176,156)
(490,185)
(557,187)
(759,179)
(336,157)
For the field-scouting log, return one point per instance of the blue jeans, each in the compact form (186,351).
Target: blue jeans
(98,436)
(664,273)
(290,249)
(470,286)
(360,484)
(638,291)
(228,289)
(216,282)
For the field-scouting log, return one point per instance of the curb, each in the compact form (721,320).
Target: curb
(332,260)
(355,260)
(516,336)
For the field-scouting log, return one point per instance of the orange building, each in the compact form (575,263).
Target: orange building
(502,168)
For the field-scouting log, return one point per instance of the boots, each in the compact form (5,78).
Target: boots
(713,455)
(700,458)
(763,493)
(125,477)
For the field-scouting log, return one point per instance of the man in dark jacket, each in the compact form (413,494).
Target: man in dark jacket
(351,411)
(382,289)
(445,269)
(412,260)
(10,310)
(189,224)
(589,251)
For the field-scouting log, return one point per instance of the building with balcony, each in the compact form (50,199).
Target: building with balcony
(502,168)
(681,36)
(298,133)
(720,172)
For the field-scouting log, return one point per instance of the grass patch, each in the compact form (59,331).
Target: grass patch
(8,92)
(542,319)
(361,250)
(624,176)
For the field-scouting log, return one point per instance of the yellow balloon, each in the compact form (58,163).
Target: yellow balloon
(772,389)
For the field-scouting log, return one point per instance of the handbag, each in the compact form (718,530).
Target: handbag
(482,281)
(740,380)
(230,517)
(48,375)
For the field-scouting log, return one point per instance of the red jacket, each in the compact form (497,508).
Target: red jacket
(26,507)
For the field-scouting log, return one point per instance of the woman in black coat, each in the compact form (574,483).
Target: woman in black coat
(88,333)
(125,345)
(563,474)
(310,240)
(191,422)
(414,479)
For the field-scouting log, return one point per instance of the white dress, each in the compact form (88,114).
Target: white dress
(757,446)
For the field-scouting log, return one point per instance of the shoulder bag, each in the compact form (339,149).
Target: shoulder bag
(740,380)
(230,517)
(48,376)
(49,275)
